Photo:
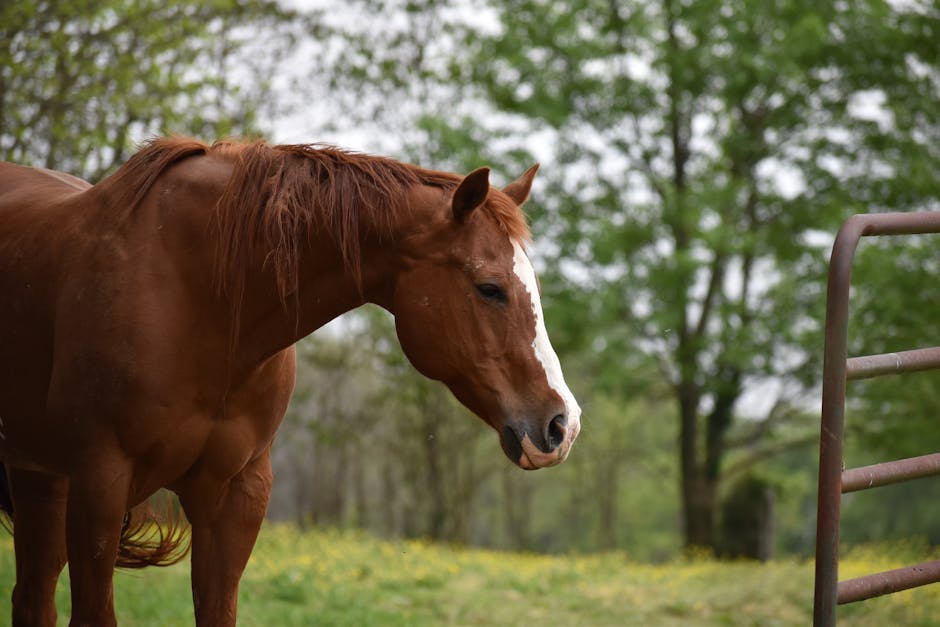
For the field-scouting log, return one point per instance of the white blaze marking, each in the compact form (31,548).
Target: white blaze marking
(542,345)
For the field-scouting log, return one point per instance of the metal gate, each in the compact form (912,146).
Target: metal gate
(837,369)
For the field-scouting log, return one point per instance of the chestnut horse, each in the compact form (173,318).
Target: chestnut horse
(147,326)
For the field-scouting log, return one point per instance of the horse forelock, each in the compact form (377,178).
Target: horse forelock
(507,215)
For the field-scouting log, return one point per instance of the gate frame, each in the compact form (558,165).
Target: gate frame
(837,369)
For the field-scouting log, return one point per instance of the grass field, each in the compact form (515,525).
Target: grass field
(347,578)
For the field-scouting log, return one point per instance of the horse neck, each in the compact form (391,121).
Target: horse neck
(327,288)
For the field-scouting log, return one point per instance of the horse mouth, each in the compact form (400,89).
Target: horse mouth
(512,446)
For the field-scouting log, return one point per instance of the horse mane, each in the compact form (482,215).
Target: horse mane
(278,194)
(126,188)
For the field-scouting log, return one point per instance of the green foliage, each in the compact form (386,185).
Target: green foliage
(81,82)
(892,309)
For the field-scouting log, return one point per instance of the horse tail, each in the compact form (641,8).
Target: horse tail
(149,538)
(6,501)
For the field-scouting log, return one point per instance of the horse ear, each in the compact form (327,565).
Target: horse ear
(471,193)
(519,189)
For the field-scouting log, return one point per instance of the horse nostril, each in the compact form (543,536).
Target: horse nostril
(556,432)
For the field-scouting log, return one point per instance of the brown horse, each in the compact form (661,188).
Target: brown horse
(147,326)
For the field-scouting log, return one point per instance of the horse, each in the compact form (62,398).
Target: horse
(147,331)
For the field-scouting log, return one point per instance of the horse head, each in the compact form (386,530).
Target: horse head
(468,313)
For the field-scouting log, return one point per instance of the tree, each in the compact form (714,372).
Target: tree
(704,146)
(81,82)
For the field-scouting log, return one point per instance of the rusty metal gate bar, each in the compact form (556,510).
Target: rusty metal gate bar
(837,368)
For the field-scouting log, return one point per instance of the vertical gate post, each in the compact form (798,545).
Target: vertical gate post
(835,355)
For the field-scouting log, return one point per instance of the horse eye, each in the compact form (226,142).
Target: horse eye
(492,292)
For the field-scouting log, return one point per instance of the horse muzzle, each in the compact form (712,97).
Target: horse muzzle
(531,449)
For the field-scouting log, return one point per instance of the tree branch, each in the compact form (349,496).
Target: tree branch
(714,285)
(779,413)
(739,467)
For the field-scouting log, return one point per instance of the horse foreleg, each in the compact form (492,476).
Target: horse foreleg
(39,502)
(224,530)
(97,502)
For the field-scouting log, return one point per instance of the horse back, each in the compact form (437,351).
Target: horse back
(24,187)
(37,217)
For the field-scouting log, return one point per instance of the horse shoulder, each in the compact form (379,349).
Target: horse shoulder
(139,342)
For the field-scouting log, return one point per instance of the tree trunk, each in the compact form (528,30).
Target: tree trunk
(437,506)
(698,489)
(699,504)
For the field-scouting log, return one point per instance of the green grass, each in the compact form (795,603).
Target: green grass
(349,578)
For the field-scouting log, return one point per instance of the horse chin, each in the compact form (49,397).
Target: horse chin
(525,463)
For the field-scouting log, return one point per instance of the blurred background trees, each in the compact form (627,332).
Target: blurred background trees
(697,159)
(82,82)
